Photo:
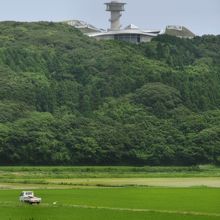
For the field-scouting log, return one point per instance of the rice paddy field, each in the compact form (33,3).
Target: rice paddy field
(131,193)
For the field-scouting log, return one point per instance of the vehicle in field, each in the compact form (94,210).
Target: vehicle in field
(28,197)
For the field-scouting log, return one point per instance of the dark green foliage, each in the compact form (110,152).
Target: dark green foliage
(159,98)
(69,99)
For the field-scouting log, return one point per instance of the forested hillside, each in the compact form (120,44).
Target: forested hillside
(69,99)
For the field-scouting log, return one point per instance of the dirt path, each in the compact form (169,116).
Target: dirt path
(116,182)
(160,182)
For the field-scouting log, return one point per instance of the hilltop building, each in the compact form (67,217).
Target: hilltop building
(131,33)
(179,31)
(115,8)
(83,26)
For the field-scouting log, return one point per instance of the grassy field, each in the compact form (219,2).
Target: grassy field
(108,171)
(69,177)
(115,203)
(93,193)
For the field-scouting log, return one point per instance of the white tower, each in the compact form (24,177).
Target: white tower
(115,7)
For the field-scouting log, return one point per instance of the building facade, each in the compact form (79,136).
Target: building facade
(131,33)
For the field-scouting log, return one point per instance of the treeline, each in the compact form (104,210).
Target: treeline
(71,100)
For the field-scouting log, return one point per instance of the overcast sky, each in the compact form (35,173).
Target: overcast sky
(201,16)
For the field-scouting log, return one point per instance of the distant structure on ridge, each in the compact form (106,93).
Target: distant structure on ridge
(115,7)
(179,31)
(131,33)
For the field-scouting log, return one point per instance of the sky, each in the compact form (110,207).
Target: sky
(200,16)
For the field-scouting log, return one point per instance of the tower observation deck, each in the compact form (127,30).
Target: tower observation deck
(115,7)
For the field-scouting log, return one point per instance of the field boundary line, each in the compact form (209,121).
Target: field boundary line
(192,213)
(145,210)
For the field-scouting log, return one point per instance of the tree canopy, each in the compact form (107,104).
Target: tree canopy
(67,99)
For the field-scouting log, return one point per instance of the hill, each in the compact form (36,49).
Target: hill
(68,99)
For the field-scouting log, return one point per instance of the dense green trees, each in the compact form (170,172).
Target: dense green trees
(68,99)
